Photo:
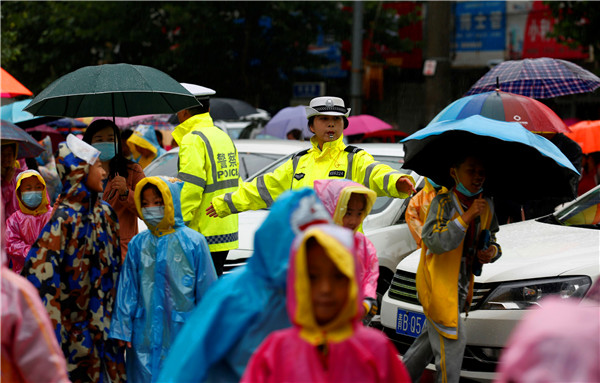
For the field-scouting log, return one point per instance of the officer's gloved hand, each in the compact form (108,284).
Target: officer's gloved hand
(370,306)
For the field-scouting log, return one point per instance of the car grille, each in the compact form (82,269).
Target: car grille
(404,288)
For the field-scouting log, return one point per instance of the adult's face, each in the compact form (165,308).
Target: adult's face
(327,128)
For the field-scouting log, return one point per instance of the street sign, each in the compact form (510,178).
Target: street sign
(308,89)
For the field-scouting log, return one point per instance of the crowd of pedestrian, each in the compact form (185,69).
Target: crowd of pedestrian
(97,301)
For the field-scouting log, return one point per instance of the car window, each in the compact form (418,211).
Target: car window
(251,163)
(165,165)
(585,211)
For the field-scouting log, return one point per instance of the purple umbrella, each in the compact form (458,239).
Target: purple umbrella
(286,120)
(28,146)
(537,78)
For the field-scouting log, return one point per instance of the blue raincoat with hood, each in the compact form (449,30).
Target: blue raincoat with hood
(167,270)
(144,136)
(243,307)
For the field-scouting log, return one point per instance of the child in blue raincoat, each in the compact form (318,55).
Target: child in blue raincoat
(144,145)
(167,270)
(243,307)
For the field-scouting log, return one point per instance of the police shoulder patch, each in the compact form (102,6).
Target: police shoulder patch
(337,173)
(299,176)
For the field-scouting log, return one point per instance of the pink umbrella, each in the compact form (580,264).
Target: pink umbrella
(364,123)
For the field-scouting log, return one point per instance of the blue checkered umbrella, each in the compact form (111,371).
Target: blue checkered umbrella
(537,78)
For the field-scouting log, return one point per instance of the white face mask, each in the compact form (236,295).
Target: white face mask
(153,214)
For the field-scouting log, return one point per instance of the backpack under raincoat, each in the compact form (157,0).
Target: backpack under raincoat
(335,195)
(75,265)
(154,301)
(144,136)
(339,351)
(243,307)
(24,225)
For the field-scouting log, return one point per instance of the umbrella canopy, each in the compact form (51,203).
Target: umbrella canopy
(41,131)
(14,113)
(230,109)
(364,123)
(519,164)
(11,87)
(538,78)
(532,114)
(587,135)
(286,120)
(117,90)
(28,147)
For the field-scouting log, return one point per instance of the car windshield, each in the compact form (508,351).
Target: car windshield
(380,204)
(584,212)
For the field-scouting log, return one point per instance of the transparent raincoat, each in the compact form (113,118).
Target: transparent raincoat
(341,350)
(167,270)
(243,307)
(144,136)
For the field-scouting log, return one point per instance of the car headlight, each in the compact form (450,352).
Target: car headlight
(523,294)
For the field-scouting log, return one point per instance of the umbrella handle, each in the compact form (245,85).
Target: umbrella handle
(497,83)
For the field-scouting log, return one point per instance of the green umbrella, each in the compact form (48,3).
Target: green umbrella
(117,90)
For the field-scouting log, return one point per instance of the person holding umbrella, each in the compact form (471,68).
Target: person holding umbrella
(329,157)
(11,168)
(458,236)
(209,166)
(123,176)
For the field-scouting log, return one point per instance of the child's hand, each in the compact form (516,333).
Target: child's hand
(122,343)
(211,212)
(485,256)
(477,207)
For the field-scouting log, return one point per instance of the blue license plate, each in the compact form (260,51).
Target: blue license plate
(409,323)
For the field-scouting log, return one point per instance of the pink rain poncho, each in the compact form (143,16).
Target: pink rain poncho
(341,350)
(24,226)
(335,195)
(558,341)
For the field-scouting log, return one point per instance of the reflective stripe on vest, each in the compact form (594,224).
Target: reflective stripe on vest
(216,185)
(221,238)
(263,191)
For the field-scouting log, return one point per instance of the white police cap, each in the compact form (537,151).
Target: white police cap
(327,105)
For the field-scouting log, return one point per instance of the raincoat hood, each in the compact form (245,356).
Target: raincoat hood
(73,166)
(293,213)
(170,189)
(339,243)
(43,206)
(144,136)
(335,195)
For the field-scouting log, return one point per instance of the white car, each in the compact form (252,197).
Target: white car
(385,226)
(554,255)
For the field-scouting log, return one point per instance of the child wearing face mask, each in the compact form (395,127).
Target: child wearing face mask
(154,301)
(454,247)
(326,343)
(24,226)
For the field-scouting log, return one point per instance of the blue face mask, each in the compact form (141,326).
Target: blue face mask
(463,190)
(32,199)
(153,214)
(107,150)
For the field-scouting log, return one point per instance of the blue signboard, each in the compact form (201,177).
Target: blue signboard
(480,26)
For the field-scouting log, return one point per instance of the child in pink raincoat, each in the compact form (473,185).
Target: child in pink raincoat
(349,203)
(24,226)
(327,342)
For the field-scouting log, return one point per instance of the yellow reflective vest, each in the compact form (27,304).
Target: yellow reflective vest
(334,161)
(209,167)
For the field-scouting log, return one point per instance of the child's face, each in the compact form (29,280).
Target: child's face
(143,151)
(471,173)
(328,285)
(30,184)
(151,198)
(95,177)
(354,211)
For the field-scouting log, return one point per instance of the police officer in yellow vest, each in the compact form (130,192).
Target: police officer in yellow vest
(329,157)
(209,167)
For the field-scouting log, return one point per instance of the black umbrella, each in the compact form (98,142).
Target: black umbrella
(230,109)
(520,165)
(118,90)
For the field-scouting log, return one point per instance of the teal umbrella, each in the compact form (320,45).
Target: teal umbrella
(117,90)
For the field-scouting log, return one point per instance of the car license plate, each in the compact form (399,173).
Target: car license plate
(409,323)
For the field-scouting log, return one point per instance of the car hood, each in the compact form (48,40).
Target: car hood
(533,249)
(248,223)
